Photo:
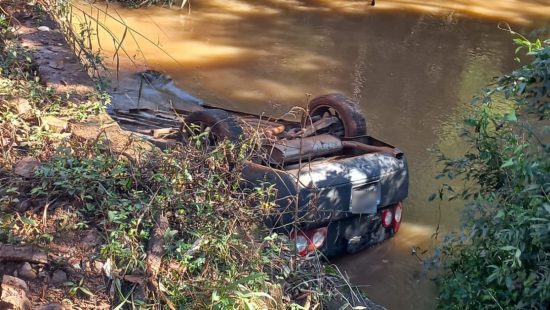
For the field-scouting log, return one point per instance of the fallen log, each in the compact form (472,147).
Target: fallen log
(155,247)
(155,251)
(22,254)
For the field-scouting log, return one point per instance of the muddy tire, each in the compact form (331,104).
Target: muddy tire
(344,108)
(222,124)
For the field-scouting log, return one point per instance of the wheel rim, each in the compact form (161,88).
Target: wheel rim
(328,111)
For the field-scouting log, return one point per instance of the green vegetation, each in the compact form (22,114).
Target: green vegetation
(501,259)
(175,229)
(26,102)
(215,255)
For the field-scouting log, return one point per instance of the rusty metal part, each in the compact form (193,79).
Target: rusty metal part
(275,131)
(312,128)
(288,151)
(163,132)
(269,128)
(150,118)
(293,133)
(291,151)
(372,149)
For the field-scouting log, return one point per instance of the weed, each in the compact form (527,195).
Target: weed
(78,288)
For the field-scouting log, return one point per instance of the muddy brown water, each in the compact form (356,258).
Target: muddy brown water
(413,66)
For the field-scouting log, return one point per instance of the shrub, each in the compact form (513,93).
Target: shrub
(501,258)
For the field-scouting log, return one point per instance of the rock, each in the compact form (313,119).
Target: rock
(44,28)
(42,273)
(98,266)
(55,124)
(28,204)
(91,239)
(58,277)
(23,206)
(14,282)
(85,265)
(21,105)
(7,267)
(26,166)
(26,272)
(14,294)
(107,268)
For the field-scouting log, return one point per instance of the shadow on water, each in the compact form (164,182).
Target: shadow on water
(412,66)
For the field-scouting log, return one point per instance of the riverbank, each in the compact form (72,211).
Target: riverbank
(92,217)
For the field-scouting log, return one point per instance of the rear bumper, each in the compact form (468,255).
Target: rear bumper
(329,190)
(328,194)
(353,234)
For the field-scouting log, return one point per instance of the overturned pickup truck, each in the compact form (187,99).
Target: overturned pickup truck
(344,187)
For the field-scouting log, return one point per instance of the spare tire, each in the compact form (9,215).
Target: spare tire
(342,107)
(222,125)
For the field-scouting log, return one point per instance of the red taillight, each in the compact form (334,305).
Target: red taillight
(317,238)
(391,217)
(397,216)
(387,218)
(309,241)
(301,244)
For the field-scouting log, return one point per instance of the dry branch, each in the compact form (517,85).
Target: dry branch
(155,251)
(155,247)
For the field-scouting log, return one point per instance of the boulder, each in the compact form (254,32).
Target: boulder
(55,124)
(58,277)
(91,239)
(14,294)
(26,272)
(26,166)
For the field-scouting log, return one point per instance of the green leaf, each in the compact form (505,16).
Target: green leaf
(12,190)
(511,117)
(508,163)
(518,253)
(28,221)
(509,283)
(86,291)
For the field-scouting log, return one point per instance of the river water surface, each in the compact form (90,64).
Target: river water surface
(413,66)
